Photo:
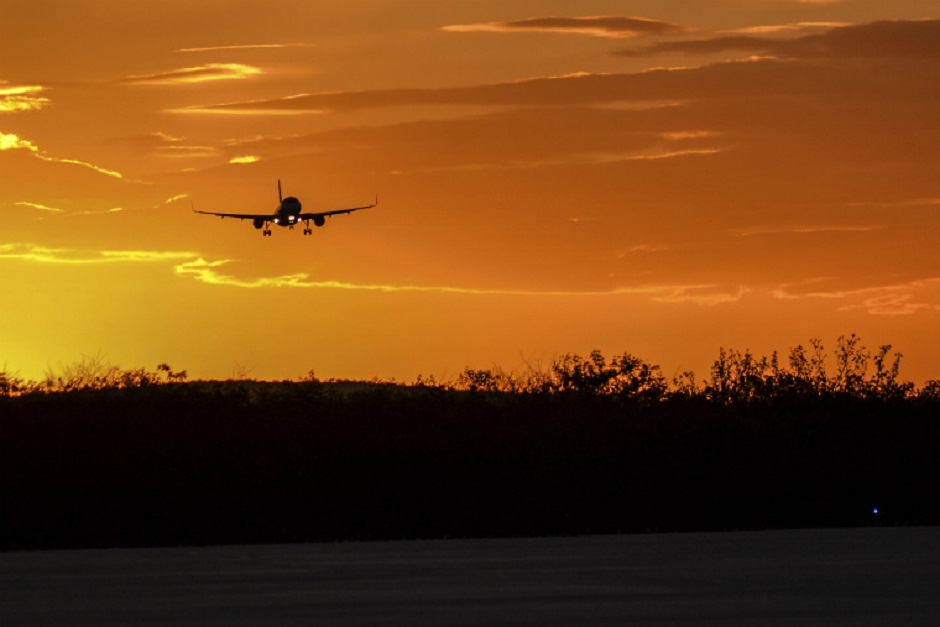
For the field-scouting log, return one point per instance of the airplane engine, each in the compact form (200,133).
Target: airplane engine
(319,220)
(259,223)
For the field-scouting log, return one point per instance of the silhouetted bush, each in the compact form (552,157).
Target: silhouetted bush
(585,446)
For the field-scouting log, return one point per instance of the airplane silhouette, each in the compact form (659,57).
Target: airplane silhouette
(288,213)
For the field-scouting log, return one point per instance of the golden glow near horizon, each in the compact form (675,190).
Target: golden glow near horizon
(665,181)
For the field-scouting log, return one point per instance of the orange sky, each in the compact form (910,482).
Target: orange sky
(553,177)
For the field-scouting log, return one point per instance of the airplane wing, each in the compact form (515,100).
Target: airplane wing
(241,216)
(323,214)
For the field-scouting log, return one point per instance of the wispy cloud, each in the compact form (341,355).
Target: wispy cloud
(788,28)
(595,26)
(288,105)
(246,47)
(198,74)
(149,141)
(572,89)
(807,230)
(245,159)
(21,98)
(594,158)
(171,200)
(90,212)
(98,212)
(209,272)
(699,294)
(898,204)
(642,248)
(9,141)
(672,154)
(84,164)
(167,146)
(45,254)
(194,265)
(887,39)
(881,300)
(893,305)
(686,135)
(36,205)
(186,152)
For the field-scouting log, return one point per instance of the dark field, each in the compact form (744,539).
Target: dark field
(208,463)
(852,577)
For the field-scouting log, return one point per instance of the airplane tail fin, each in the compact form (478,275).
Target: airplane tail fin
(280,198)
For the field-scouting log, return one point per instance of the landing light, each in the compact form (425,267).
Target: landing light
(277,220)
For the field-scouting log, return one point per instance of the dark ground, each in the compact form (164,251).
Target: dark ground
(888,576)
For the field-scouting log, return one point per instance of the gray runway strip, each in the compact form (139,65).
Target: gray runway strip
(806,577)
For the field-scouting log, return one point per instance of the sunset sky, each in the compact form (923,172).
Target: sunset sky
(658,177)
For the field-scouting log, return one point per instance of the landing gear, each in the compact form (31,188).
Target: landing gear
(307,229)
(266,233)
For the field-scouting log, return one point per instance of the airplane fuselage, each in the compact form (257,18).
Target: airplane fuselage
(288,212)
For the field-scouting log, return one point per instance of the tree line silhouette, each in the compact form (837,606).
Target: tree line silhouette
(734,377)
(96,456)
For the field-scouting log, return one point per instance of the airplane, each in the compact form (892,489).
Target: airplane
(288,213)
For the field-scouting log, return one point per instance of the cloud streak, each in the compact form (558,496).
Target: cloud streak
(784,28)
(71,256)
(595,26)
(288,105)
(35,205)
(209,272)
(18,98)
(9,141)
(199,74)
(883,300)
(246,47)
(576,89)
(899,299)
(885,39)
(193,265)
(807,230)
(166,146)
